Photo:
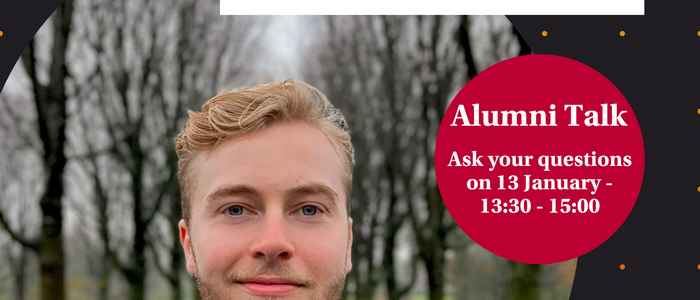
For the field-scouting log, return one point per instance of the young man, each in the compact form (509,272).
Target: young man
(265,174)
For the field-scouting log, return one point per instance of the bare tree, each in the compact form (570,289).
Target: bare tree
(151,66)
(143,64)
(127,91)
(347,74)
(393,75)
(217,62)
(15,187)
(504,39)
(438,78)
(50,101)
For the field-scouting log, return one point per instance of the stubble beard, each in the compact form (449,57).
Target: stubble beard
(333,291)
(330,290)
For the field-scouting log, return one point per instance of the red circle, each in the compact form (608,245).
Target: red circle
(612,154)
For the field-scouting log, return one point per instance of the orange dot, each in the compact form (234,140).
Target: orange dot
(697,33)
(621,267)
(2,33)
(698,266)
(622,33)
(698,189)
(544,33)
(698,111)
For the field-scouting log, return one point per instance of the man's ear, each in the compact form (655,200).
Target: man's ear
(186,243)
(348,251)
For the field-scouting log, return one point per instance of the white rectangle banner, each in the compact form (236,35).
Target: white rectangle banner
(432,7)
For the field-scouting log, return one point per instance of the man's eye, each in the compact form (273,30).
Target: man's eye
(235,210)
(309,210)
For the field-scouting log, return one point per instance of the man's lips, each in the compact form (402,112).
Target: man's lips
(270,286)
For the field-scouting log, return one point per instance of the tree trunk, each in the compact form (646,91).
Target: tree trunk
(137,280)
(176,255)
(436,276)
(105,273)
(176,287)
(464,41)
(389,267)
(21,275)
(137,286)
(51,115)
(524,281)
(51,256)
(103,283)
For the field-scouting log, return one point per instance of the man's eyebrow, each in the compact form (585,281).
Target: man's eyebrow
(313,189)
(232,190)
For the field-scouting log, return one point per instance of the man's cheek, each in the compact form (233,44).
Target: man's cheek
(321,254)
(219,251)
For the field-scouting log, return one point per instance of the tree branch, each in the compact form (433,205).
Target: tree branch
(16,236)
(161,269)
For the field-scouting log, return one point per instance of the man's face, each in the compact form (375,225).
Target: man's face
(268,217)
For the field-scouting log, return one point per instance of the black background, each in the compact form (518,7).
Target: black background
(657,66)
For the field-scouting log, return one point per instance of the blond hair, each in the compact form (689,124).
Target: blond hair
(246,110)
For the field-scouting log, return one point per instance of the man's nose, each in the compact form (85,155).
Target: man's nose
(273,242)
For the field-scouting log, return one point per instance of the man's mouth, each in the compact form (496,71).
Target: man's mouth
(270,286)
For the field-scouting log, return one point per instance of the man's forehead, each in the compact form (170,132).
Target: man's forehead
(283,143)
